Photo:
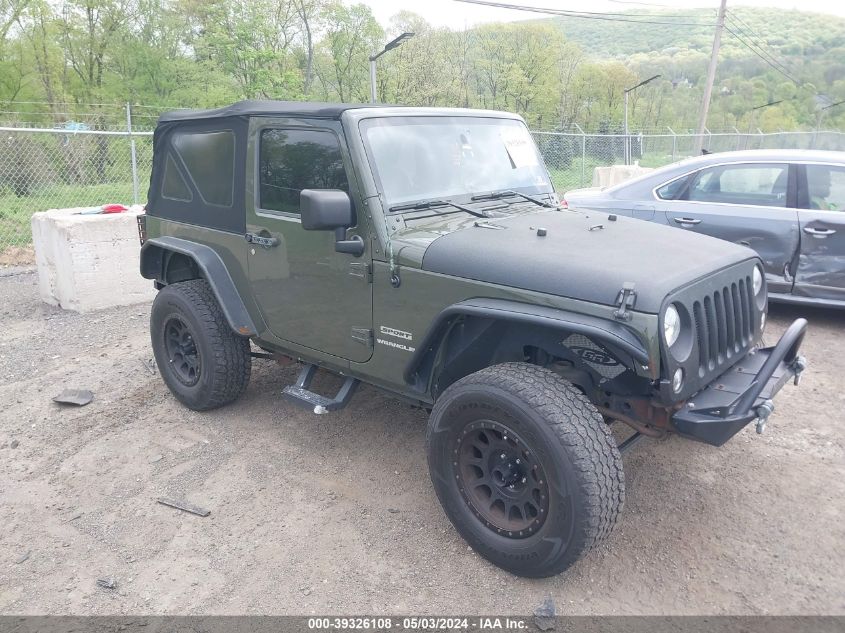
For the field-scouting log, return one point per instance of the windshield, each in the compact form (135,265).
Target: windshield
(432,157)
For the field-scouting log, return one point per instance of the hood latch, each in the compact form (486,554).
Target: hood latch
(626,299)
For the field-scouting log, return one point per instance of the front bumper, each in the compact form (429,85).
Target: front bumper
(743,393)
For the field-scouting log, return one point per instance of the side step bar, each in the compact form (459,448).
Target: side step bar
(300,394)
(628,443)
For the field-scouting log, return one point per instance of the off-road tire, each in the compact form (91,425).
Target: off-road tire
(586,484)
(223,358)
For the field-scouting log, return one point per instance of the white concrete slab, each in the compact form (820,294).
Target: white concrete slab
(614,174)
(89,262)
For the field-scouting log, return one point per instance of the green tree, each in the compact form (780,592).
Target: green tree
(352,34)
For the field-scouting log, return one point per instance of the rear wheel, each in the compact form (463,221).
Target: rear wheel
(524,467)
(203,362)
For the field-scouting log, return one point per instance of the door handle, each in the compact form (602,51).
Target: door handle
(261,240)
(818,232)
(687,221)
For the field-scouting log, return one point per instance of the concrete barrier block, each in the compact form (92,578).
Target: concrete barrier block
(614,174)
(89,262)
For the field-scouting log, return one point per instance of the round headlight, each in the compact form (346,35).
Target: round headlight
(677,380)
(757,280)
(671,325)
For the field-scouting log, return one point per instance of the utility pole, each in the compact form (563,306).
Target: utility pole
(711,76)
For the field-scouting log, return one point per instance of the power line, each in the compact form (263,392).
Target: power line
(609,17)
(646,4)
(739,33)
(626,14)
(750,34)
(774,66)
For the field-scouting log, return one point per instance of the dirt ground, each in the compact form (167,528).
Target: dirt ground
(335,513)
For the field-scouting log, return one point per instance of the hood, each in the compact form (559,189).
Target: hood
(583,255)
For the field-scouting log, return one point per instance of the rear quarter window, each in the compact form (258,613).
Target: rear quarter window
(198,174)
(173,185)
(672,190)
(209,159)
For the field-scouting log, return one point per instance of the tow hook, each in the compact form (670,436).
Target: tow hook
(763,412)
(798,366)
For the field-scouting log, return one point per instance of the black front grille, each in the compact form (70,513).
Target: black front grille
(724,324)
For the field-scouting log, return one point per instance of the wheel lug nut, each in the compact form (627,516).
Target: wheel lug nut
(524,480)
(517,461)
(502,455)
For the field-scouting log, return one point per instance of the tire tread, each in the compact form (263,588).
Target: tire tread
(231,361)
(580,429)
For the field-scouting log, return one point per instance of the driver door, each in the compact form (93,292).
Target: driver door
(307,293)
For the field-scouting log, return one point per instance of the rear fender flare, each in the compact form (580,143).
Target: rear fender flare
(154,255)
(533,318)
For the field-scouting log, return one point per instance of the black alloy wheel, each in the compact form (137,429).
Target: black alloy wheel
(501,479)
(182,354)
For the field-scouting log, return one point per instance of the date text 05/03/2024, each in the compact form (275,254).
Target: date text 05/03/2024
(425,623)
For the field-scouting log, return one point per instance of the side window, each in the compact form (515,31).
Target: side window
(753,185)
(826,187)
(173,186)
(210,160)
(290,160)
(671,190)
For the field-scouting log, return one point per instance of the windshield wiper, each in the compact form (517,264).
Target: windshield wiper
(431,204)
(510,193)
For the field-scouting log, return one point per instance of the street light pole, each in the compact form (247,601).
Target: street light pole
(387,47)
(627,135)
(373,79)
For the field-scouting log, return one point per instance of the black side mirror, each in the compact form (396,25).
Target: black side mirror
(330,210)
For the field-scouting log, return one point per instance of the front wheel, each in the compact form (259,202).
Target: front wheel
(524,467)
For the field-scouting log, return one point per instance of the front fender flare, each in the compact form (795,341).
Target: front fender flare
(211,267)
(592,327)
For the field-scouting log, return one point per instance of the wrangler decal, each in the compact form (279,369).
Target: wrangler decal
(404,348)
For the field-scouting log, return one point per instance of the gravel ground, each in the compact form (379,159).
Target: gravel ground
(335,514)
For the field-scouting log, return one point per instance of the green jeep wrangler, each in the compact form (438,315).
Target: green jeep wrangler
(423,251)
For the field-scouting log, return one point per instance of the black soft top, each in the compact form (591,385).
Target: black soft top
(267,108)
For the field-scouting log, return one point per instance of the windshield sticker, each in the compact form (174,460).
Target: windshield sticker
(462,150)
(520,147)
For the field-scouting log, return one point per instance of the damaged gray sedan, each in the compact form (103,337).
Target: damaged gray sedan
(788,205)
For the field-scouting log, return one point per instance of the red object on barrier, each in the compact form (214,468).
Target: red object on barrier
(114,208)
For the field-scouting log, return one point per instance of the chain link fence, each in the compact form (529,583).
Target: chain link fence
(58,168)
(572,157)
(44,169)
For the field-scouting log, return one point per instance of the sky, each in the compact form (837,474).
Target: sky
(457,15)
